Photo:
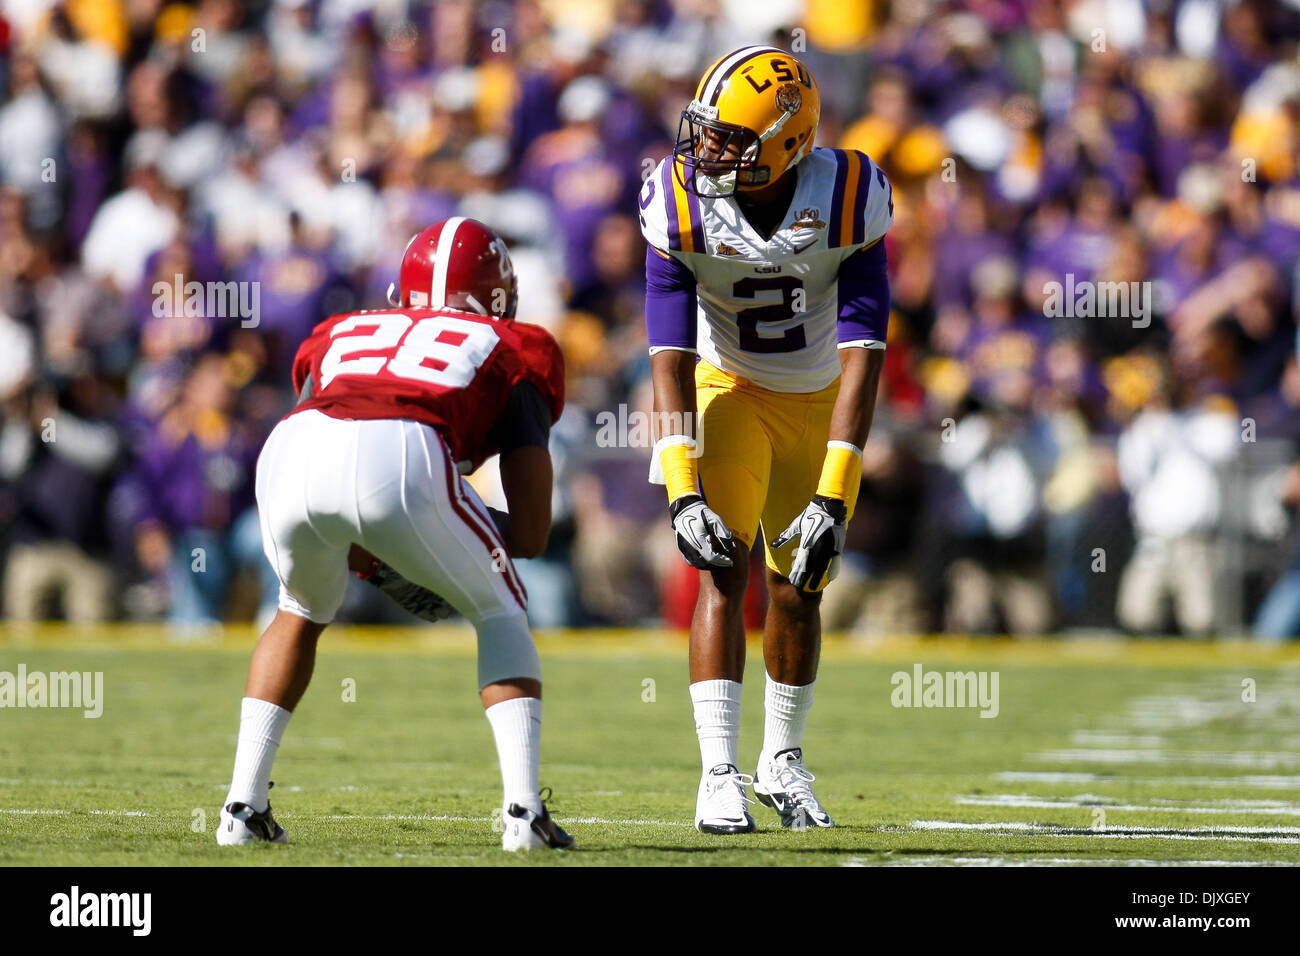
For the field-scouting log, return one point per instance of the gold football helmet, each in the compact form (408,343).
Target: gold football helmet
(754,116)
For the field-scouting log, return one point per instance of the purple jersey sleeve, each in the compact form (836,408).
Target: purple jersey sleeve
(864,295)
(670,303)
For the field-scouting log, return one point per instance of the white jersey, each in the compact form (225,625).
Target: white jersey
(768,309)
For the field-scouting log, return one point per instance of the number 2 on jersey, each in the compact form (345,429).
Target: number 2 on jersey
(747,319)
(441,350)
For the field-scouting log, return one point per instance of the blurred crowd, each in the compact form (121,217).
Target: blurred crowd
(1032,468)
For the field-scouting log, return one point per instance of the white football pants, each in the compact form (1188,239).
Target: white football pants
(390,486)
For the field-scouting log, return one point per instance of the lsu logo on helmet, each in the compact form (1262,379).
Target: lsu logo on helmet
(754,116)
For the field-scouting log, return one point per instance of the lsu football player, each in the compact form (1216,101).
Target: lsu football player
(767,303)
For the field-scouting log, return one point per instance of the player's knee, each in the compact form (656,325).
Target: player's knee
(296,626)
(506,650)
(723,591)
(791,601)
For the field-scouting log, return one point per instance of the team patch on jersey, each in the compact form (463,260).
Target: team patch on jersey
(849,198)
(685,226)
(810,218)
(726,250)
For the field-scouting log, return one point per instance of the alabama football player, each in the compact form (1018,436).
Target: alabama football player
(365,473)
(766,308)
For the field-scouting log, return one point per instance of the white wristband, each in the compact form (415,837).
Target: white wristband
(656,466)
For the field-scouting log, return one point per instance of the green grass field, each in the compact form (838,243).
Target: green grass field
(1102,752)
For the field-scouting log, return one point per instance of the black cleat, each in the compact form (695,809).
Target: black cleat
(241,824)
(526,830)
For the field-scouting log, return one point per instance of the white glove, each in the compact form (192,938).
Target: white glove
(704,540)
(820,529)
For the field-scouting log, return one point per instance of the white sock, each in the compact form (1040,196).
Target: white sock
(717,721)
(261,725)
(786,707)
(517,727)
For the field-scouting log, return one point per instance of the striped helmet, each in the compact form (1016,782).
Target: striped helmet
(459,264)
(754,116)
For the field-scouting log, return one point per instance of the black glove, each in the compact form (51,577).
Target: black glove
(421,602)
(703,538)
(821,528)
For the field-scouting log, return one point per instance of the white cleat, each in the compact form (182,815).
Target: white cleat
(785,784)
(526,830)
(241,824)
(721,801)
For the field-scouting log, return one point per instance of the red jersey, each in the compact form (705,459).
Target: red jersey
(450,370)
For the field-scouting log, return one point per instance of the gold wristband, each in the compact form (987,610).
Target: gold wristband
(841,471)
(680,474)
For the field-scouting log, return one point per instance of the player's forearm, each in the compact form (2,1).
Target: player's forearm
(673,376)
(526,479)
(855,407)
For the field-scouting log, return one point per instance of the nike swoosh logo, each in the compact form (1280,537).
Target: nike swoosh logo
(810,242)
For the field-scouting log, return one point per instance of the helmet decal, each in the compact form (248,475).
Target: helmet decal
(788,98)
(504,264)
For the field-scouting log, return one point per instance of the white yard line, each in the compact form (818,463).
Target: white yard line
(1184,711)
(44,812)
(433,817)
(1215,758)
(1249,781)
(1277,834)
(1090,802)
(448,818)
(1147,735)
(1115,738)
(1046,861)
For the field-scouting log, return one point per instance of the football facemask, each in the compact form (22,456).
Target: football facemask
(724,153)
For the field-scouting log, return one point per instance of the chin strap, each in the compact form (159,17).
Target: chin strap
(392,287)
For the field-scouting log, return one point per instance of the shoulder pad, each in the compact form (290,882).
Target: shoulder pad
(542,364)
(862,200)
(670,216)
